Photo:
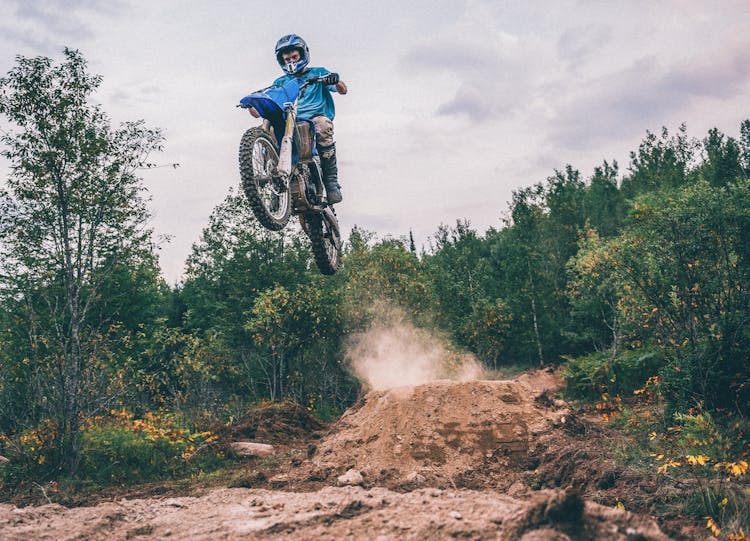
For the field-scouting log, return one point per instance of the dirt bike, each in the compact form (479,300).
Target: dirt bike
(281,172)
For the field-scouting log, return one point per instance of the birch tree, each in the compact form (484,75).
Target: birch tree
(72,213)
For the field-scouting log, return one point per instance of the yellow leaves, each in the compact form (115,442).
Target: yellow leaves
(697,460)
(716,530)
(620,505)
(668,464)
(734,468)
(711,525)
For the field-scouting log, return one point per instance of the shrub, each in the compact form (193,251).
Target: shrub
(122,449)
(708,455)
(596,374)
(32,455)
(115,449)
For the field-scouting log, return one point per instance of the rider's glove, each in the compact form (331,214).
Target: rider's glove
(330,79)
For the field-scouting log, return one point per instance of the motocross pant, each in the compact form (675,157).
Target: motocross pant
(327,152)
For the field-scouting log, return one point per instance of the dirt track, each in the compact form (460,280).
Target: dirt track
(436,461)
(330,513)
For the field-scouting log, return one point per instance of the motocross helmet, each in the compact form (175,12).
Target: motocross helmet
(288,43)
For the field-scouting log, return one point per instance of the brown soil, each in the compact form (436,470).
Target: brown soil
(470,460)
(281,423)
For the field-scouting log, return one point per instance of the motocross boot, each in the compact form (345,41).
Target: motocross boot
(330,173)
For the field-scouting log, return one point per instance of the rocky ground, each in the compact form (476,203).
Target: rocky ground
(467,460)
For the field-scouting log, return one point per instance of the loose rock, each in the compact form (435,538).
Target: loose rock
(351,477)
(247,448)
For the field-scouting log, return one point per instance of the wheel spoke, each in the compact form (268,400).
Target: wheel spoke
(268,198)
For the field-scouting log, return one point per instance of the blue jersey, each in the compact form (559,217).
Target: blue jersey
(316,100)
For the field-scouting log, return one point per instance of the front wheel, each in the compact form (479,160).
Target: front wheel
(268,195)
(326,244)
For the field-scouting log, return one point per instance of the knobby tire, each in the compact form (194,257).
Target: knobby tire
(254,182)
(327,256)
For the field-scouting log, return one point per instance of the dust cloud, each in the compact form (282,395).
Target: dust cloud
(395,353)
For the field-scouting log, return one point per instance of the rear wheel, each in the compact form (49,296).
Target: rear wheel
(268,196)
(326,245)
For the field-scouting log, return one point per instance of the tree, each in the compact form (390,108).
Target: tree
(278,319)
(596,293)
(605,205)
(236,259)
(678,277)
(466,292)
(73,216)
(745,146)
(661,162)
(723,162)
(382,276)
(296,334)
(687,254)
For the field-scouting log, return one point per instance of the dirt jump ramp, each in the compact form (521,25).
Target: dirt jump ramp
(431,432)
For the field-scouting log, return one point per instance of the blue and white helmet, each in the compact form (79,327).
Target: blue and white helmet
(288,43)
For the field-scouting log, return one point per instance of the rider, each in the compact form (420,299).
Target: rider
(315,104)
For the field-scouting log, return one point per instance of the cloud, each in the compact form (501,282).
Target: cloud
(489,81)
(138,94)
(44,25)
(490,70)
(578,44)
(628,101)
(446,55)
(471,101)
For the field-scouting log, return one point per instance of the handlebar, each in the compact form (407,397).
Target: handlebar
(328,79)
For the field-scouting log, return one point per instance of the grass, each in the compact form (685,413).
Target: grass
(509,371)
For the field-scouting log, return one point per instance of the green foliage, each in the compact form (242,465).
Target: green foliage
(661,163)
(122,449)
(386,272)
(32,454)
(460,268)
(709,455)
(232,263)
(72,229)
(604,202)
(723,163)
(172,368)
(685,256)
(290,331)
(590,376)
(529,259)
(595,293)
(116,448)
(677,276)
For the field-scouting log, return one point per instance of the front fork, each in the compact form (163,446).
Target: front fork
(284,169)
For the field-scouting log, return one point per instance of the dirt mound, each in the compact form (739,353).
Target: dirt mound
(433,433)
(279,423)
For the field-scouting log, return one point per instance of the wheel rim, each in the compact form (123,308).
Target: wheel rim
(274,193)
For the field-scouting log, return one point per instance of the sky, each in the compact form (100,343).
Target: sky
(452,104)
